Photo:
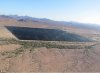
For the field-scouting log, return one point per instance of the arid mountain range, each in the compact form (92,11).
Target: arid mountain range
(87,30)
(30,44)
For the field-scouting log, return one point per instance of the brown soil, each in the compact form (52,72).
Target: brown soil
(9,47)
(48,60)
(54,60)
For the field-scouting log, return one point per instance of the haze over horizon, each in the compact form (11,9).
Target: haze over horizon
(85,11)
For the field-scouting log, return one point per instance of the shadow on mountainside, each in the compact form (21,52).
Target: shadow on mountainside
(26,33)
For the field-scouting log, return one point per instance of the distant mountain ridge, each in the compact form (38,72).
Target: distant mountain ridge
(51,22)
(81,29)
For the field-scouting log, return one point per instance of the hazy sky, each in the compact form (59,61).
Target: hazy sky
(87,11)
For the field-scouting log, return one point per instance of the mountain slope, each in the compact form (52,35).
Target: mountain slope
(81,29)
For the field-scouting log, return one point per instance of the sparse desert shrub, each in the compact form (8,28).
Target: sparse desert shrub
(31,45)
